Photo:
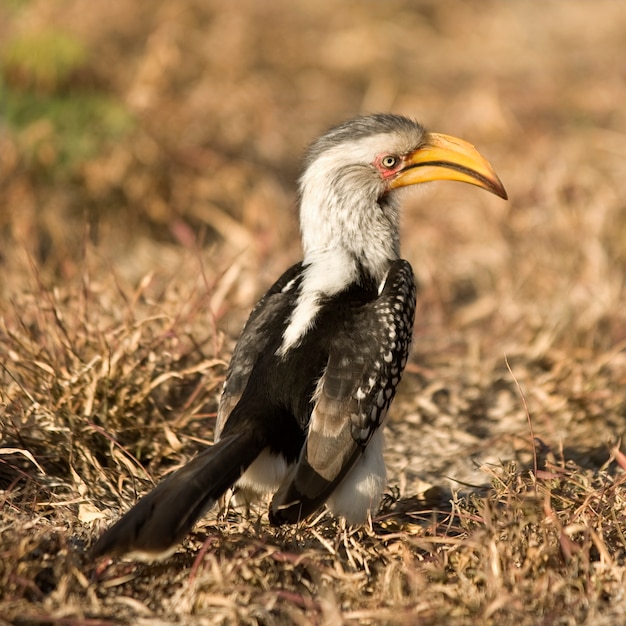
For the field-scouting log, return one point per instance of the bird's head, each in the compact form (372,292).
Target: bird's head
(348,204)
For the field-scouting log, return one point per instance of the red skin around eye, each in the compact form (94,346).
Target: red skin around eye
(386,172)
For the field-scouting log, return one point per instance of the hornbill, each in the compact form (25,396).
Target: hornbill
(319,359)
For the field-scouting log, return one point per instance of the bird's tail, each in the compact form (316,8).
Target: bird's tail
(159,521)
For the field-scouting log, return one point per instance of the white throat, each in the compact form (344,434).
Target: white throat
(349,234)
(326,274)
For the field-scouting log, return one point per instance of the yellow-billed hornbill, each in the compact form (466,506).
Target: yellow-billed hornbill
(319,359)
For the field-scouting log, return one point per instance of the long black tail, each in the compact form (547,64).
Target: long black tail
(159,521)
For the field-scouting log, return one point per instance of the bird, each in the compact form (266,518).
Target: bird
(318,361)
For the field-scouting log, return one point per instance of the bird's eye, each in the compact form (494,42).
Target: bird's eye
(389,161)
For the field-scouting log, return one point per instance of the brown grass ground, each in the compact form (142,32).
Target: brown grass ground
(128,268)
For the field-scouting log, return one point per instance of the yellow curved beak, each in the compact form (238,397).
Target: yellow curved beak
(443,157)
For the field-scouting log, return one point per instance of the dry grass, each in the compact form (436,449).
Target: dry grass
(130,261)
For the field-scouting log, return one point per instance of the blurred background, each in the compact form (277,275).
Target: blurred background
(149,156)
(138,136)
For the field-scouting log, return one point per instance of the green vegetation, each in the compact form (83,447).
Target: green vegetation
(44,61)
(58,122)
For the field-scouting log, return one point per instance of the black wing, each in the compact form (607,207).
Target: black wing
(271,310)
(365,363)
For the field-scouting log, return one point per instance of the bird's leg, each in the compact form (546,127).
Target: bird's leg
(236,501)
(224,505)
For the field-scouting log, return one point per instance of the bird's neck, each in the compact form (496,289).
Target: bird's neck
(347,238)
(345,245)
(327,273)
